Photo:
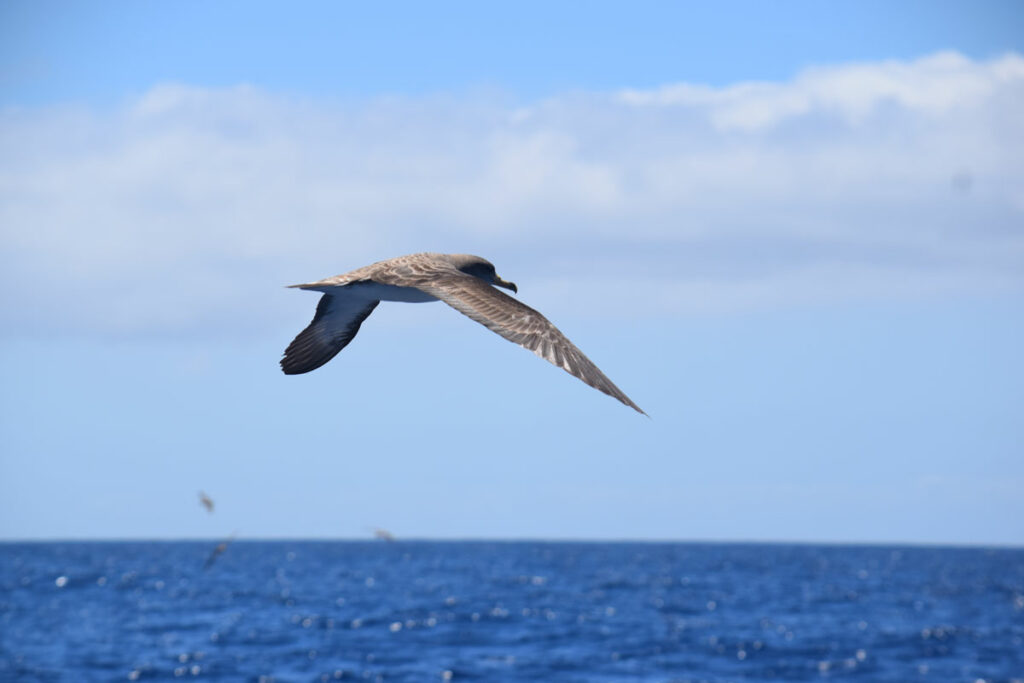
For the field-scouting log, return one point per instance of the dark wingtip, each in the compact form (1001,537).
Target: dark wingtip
(288,370)
(635,407)
(291,366)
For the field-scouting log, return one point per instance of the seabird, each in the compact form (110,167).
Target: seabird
(218,551)
(462,281)
(206,501)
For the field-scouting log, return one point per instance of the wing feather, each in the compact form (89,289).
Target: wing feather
(335,324)
(521,325)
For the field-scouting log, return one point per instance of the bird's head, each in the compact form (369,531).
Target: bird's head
(481,268)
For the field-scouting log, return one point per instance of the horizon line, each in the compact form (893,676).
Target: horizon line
(979,545)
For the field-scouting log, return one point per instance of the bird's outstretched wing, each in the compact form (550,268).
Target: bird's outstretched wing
(337,320)
(519,323)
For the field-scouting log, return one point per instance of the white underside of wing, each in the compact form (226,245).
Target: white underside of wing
(374,291)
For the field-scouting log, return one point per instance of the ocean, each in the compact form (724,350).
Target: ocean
(508,611)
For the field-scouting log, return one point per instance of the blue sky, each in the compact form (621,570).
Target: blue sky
(106,51)
(790,232)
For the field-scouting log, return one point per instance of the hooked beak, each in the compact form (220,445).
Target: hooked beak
(506,284)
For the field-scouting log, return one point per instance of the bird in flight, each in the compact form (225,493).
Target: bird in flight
(464,282)
(206,501)
(218,550)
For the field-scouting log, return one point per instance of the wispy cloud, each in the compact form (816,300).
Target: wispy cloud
(934,85)
(186,208)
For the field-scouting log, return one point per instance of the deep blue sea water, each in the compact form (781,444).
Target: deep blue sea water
(434,611)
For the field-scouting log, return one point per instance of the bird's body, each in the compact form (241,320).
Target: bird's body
(368,290)
(383,535)
(218,550)
(462,281)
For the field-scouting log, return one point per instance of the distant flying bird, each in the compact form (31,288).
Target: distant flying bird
(383,535)
(206,501)
(218,551)
(463,282)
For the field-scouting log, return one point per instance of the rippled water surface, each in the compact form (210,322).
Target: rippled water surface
(421,611)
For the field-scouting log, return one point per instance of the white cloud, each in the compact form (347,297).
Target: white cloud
(187,208)
(932,86)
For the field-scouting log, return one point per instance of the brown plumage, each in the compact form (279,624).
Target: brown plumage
(462,281)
